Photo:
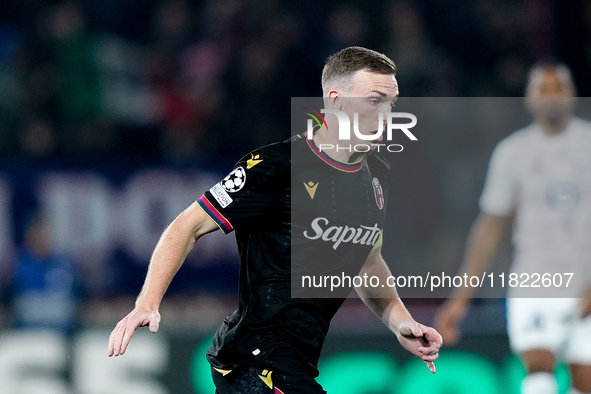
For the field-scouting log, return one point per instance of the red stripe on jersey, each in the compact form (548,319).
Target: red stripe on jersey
(217,217)
(347,167)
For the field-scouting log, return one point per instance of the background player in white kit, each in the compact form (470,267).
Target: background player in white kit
(540,175)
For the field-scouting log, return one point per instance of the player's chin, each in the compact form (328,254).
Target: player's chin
(373,145)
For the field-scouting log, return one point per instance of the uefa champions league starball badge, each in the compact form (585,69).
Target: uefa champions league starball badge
(235,180)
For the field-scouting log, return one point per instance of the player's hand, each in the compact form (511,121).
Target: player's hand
(585,304)
(420,340)
(124,330)
(448,318)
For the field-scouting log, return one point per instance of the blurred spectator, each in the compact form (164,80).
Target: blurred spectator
(346,27)
(38,139)
(189,96)
(172,25)
(96,139)
(415,55)
(509,73)
(74,48)
(225,20)
(11,91)
(43,287)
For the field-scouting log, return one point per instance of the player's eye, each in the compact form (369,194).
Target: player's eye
(374,101)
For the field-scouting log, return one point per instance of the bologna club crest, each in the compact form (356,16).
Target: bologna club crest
(378,193)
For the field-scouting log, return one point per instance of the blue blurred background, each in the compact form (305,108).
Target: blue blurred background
(115,115)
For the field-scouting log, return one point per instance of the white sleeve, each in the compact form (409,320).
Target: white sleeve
(498,195)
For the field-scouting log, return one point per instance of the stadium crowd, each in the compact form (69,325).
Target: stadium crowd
(176,80)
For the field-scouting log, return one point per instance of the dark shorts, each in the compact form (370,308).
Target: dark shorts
(250,380)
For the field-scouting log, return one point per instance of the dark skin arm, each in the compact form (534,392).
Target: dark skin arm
(483,240)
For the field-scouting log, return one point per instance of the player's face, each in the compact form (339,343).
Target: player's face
(550,98)
(371,93)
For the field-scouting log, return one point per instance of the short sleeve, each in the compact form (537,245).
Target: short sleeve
(498,195)
(247,194)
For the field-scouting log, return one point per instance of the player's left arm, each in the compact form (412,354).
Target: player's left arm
(420,340)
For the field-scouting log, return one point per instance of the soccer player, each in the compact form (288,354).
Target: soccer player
(541,176)
(287,203)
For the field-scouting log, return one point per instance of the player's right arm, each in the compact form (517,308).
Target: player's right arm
(482,243)
(169,254)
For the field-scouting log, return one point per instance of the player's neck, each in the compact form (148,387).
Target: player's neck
(328,142)
(553,128)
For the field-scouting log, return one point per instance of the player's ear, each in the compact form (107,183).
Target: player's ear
(334,99)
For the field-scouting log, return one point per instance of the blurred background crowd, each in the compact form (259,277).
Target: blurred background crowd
(172,80)
(116,114)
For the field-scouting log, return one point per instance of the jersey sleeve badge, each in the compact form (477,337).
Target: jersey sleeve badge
(235,180)
(378,192)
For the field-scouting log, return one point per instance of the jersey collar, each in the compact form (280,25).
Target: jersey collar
(347,167)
